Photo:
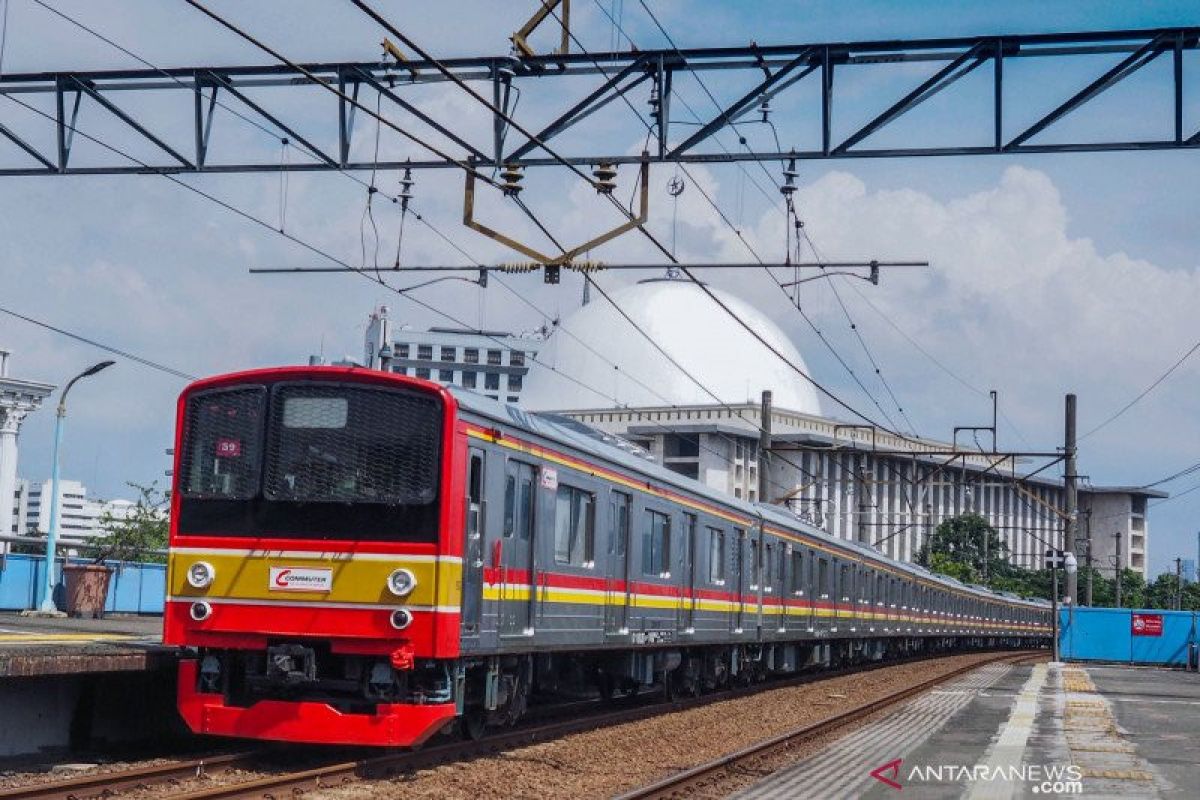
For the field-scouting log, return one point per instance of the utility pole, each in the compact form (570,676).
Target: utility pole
(1070,473)
(1178,583)
(860,532)
(764,449)
(1088,557)
(1118,570)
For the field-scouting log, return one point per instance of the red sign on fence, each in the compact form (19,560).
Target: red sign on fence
(1147,625)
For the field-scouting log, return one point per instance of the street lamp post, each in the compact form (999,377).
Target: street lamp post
(47,605)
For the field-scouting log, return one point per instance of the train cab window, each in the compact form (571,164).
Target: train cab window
(618,523)
(797,585)
(823,577)
(518,500)
(716,556)
(574,527)
(656,544)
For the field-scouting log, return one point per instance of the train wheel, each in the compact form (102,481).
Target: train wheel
(474,724)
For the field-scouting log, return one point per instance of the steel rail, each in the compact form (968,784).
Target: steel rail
(681,783)
(105,783)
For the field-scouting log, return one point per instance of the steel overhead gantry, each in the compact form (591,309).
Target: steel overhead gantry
(42,146)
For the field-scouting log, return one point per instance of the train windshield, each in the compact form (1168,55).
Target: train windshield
(314,459)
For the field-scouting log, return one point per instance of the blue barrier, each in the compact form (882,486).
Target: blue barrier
(135,588)
(1127,635)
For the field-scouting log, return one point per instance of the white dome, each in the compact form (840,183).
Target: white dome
(700,335)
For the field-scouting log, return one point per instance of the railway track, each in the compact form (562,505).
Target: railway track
(687,782)
(559,720)
(99,784)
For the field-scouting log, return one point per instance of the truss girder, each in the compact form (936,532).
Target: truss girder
(633,76)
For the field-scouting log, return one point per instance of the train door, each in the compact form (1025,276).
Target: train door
(514,553)
(616,574)
(472,598)
(687,592)
(779,584)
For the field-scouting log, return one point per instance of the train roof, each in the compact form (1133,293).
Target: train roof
(624,454)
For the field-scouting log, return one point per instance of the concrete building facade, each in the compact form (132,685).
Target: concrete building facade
(862,487)
(492,363)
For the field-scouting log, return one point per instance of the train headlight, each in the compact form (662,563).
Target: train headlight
(200,575)
(401,582)
(200,611)
(401,618)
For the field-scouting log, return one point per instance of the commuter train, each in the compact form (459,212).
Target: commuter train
(358,557)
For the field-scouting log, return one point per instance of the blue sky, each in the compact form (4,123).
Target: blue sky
(1050,273)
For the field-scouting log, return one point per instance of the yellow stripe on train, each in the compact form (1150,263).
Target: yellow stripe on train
(308,577)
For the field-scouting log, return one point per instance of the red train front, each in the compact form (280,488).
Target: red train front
(312,565)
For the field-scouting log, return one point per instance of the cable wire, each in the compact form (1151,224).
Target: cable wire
(105,347)
(1112,418)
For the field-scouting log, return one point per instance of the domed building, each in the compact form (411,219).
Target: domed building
(729,364)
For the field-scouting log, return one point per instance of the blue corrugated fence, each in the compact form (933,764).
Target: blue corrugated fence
(135,588)
(1129,635)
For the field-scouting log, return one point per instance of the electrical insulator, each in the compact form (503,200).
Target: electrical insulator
(511,175)
(406,184)
(653,102)
(789,179)
(765,110)
(605,173)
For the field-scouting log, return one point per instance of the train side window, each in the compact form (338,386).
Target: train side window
(797,572)
(574,527)
(843,592)
(518,500)
(755,565)
(823,577)
(475,494)
(785,553)
(618,523)
(768,566)
(716,556)
(656,544)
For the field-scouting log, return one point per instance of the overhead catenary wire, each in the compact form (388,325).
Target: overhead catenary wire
(146,362)
(1154,385)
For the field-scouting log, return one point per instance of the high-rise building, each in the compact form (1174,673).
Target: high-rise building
(80,517)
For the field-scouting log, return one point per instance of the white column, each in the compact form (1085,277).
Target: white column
(10,422)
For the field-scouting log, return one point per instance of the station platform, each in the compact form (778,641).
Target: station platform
(36,646)
(68,685)
(1006,732)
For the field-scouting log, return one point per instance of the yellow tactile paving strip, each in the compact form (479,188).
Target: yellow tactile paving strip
(31,637)
(1096,744)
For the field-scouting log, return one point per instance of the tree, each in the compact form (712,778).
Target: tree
(143,530)
(966,541)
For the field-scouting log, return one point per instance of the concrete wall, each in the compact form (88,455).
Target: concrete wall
(71,713)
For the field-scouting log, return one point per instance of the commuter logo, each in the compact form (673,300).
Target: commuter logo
(300,579)
(888,773)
